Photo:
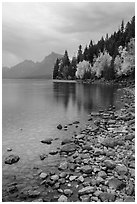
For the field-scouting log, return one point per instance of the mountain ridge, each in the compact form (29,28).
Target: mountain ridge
(30,69)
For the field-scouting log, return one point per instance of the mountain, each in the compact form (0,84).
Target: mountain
(29,69)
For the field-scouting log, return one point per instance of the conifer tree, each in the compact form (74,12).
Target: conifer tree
(80,55)
(56,69)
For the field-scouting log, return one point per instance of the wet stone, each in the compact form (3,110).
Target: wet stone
(12,159)
(53,152)
(71,147)
(43,156)
(66,141)
(47,141)
(59,127)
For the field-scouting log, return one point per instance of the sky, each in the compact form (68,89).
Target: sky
(34,30)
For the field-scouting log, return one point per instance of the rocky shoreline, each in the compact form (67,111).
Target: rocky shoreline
(96,165)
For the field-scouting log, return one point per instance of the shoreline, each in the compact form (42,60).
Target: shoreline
(98,164)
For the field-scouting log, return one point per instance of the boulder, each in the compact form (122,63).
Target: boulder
(12,159)
(68,148)
(67,140)
(53,152)
(9,149)
(47,141)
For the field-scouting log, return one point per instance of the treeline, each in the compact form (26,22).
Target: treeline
(109,58)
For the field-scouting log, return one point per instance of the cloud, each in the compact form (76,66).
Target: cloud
(33,30)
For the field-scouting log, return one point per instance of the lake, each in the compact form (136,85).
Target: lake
(31,111)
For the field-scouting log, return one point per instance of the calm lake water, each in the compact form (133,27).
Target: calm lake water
(37,107)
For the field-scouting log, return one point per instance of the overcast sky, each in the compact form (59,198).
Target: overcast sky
(34,30)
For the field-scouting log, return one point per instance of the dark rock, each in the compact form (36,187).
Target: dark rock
(76,122)
(59,126)
(65,141)
(107,197)
(129,137)
(53,152)
(80,179)
(43,156)
(116,184)
(13,189)
(47,141)
(12,159)
(9,149)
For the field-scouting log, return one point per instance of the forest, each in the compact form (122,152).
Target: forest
(112,57)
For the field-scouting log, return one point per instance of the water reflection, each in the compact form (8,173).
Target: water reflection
(84,96)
